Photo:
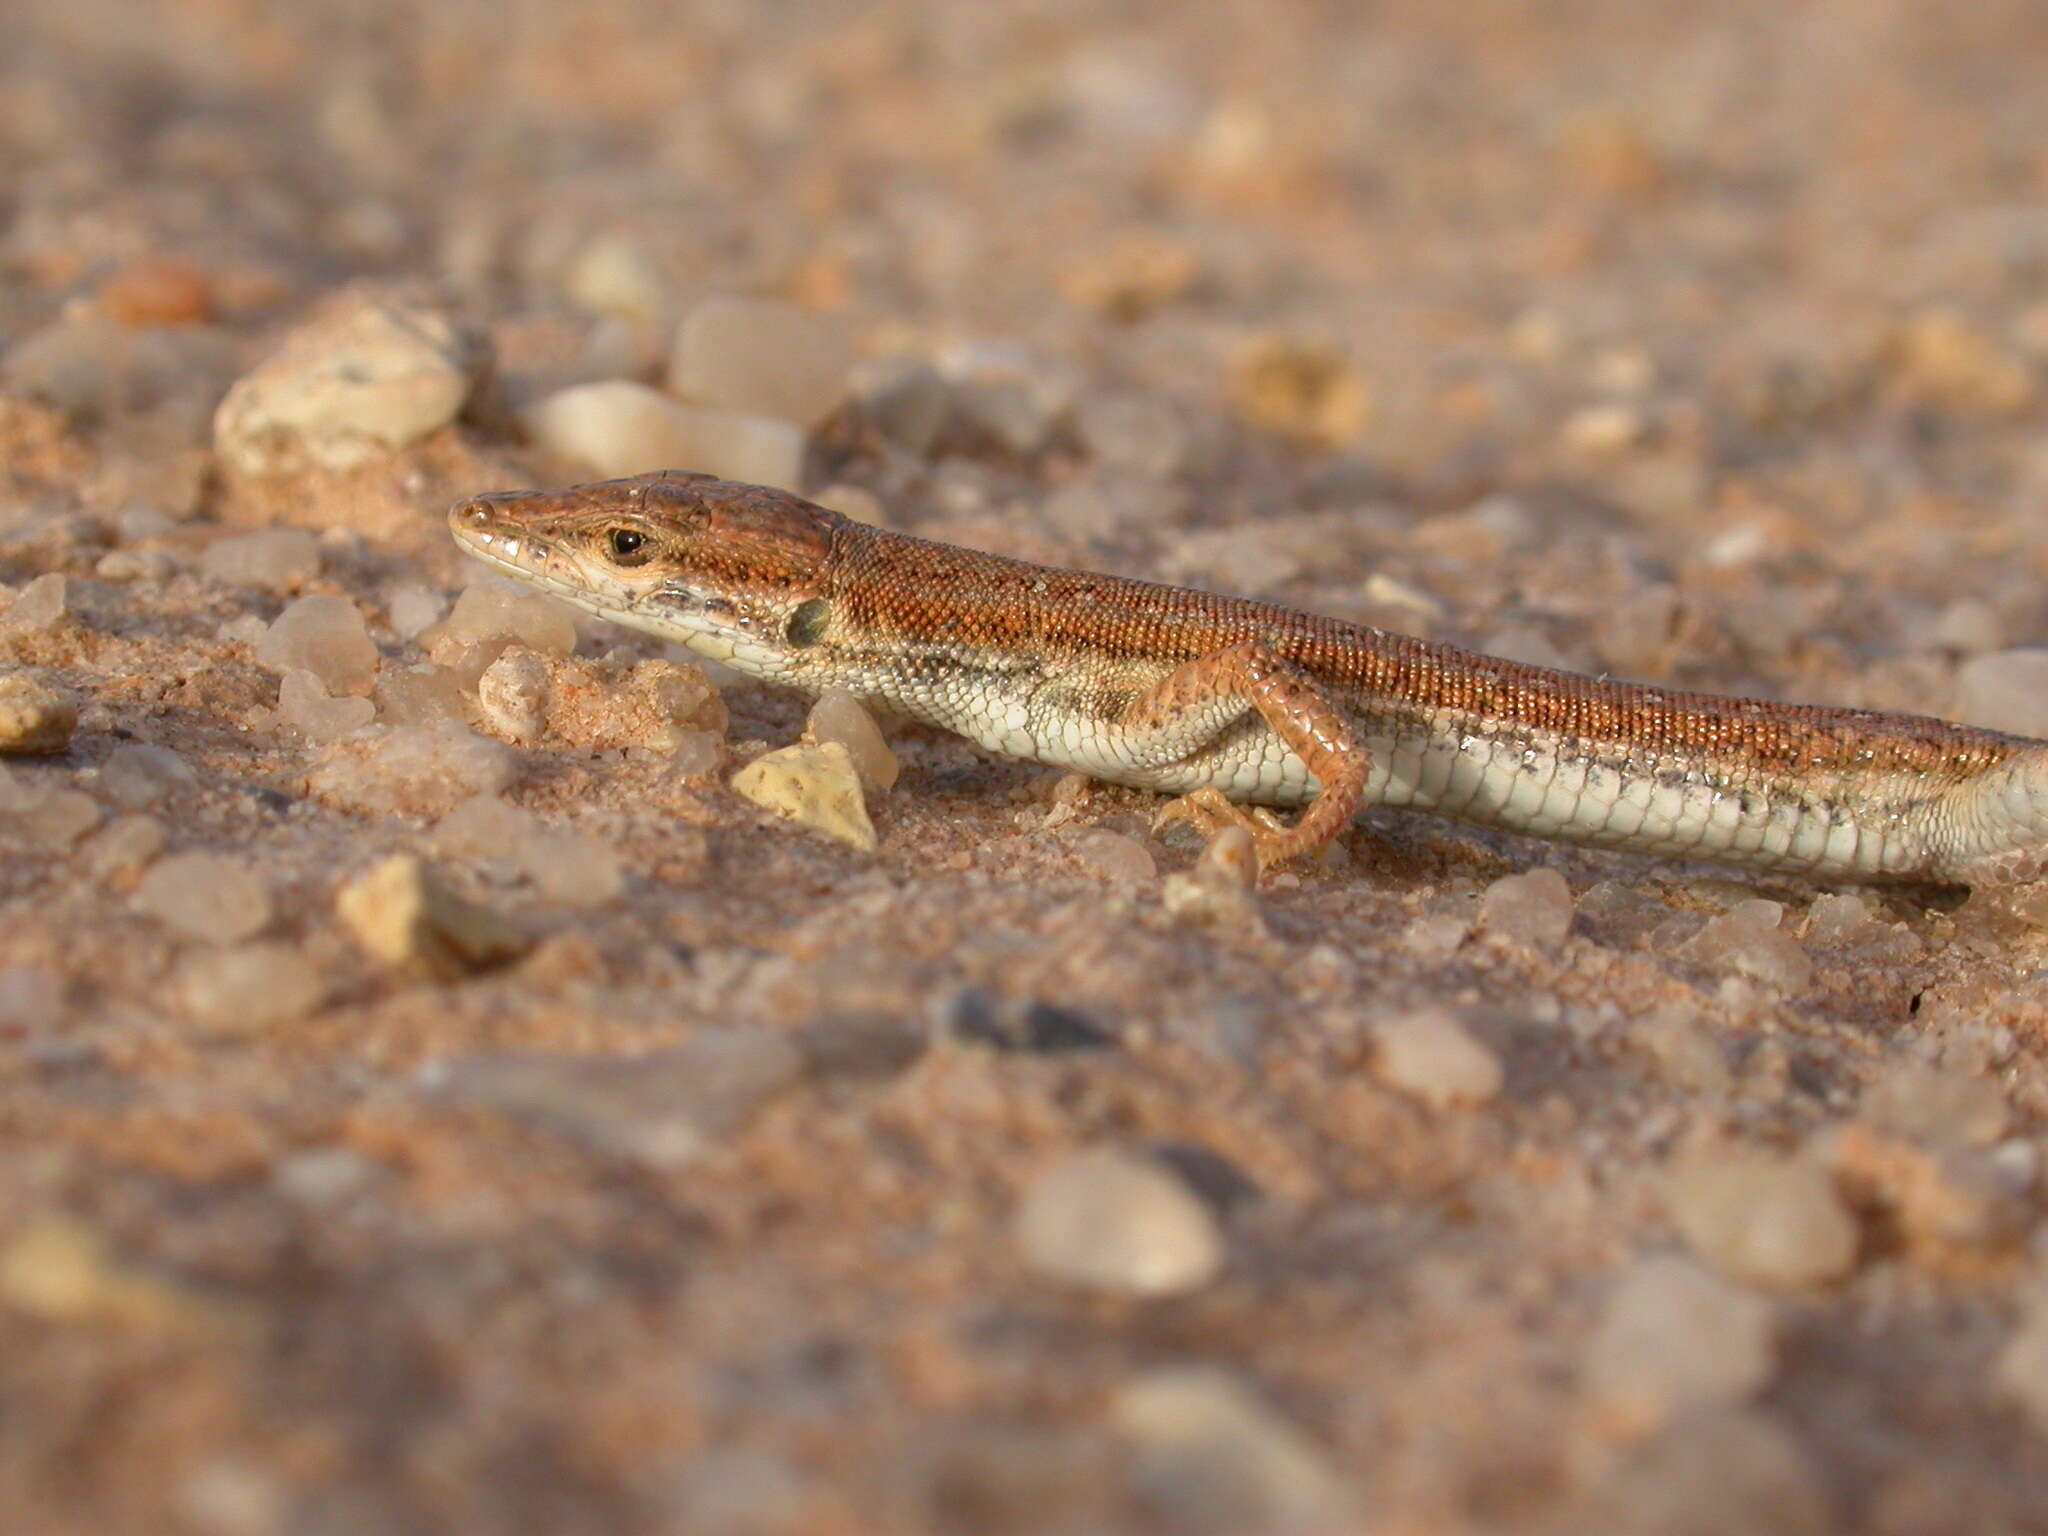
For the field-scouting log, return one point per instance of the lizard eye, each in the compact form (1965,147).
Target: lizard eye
(628,545)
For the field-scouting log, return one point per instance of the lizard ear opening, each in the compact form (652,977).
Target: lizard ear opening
(807,624)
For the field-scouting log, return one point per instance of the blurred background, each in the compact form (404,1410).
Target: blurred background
(1699,341)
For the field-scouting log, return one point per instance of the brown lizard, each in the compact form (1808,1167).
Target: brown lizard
(1220,700)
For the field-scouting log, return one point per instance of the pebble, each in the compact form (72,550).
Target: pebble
(2005,691)
(1533,908)
(41,606)
(1213,1458)
(405,915)
(1608,428)
(281,559)
(512,695)
(1230,857)
(249,987)
(1133,430)
(1009,394)
(121,852)
(815,786)
(414,609)
(909,402)
(664,1108)
(839,716)
(1761,1217)
(1833,918)
(1743,942)
(420,695)
(1432,1057)
(157,290)
(56,819)
(2022,1371)
(205,896)
(761,357)
(1687,1053)
(372,370)
(861,1045)
(1301,390)
(621,428)
(575,869)
(1113,856)
(322,634)
(1719,1472)
(1674,1337)
(35,719)
(303,707)
(615,274)
(61,1270)
(137,775)
(490,610)
(416,770)
(1108,1221)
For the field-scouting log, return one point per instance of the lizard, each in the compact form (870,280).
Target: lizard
(1226,702)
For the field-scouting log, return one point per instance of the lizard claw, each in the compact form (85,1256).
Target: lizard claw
(1209,812)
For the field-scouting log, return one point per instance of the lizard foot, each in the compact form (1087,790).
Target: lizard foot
(1209,812)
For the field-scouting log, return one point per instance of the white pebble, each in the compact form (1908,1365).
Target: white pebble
(1740,943)
(249,987)
(1430,1056)
(1534,908)
(282,559)
(414,609)
(513,695)
(303,706)
(762,358)
(1110,1221)
(1761,1217)
(205,896)
(43,604)
(1675,1337)
(417,770)
(622,428)
(322,634)
(490,610)
(2005,691)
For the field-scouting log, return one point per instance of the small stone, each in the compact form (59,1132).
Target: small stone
(35,719)
(1675,1337)
(56,820)
(762,358)
(248,988)
(1113,856)
(910,403)
(205,896)
(1763,1218)
(490,610)
(816,787)
(1687,1054)
(1962,366)
(43,605)
(304,708)
(574,869)
(615,274)
(1944,1106)
(370,372)
(1009,395)
(839,716)
(157,290)
(1213,1458)
(281,559)
(861,1045)
(1430,1056)
(1138,432)
(1741,943)
(416,770)
(1231,856)
(322,634)
(2005,691)
(2022,1371)
(1533,908)
(974,1017)
(402,912)
(1301,390)
(621,428)
(63,1271)
(137,775)
(664,1108)
(414,609)
(1833,918)
(1605,429)
(512,695)
(1109,1221)
(119,854)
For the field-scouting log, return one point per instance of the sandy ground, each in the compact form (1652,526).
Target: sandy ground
(975,1184)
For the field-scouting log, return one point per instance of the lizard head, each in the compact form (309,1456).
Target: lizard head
(734,572)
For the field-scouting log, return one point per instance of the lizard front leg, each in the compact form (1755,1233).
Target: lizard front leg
(1198,700)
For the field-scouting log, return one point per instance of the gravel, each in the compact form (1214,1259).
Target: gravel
(322,634)
(1108,1221)
(1429,1055)
(1763,1218)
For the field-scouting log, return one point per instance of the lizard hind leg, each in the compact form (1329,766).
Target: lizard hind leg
(1194,703)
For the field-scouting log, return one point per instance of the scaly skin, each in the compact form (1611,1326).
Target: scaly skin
(1222,700)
